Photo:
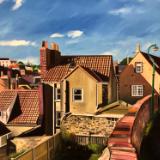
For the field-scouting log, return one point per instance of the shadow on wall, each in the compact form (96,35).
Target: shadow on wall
(132,78)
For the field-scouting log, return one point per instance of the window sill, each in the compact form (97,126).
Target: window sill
(57,100)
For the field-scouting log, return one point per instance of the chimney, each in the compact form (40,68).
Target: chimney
(49,57)
(138,48)
(54,46)
(45,44)
(127,60)
(43,57)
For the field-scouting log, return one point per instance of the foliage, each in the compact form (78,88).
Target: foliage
(124,61)
(148,128)
(95,148)
(67,137)
(94,156)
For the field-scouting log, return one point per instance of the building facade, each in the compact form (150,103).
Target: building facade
(136,78)
(78,84)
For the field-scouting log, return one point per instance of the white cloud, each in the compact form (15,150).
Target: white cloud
(121,11)
(112,52)
(75,34)
(15,43)
(1,1)
(18,4)
(30,59)
(56,35)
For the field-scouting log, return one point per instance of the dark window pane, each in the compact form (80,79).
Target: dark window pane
(77,97)
(77,91)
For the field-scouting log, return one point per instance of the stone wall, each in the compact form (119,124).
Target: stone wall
(88,125)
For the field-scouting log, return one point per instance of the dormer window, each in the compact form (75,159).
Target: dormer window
(138,67)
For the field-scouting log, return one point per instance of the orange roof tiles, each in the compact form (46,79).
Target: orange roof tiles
(3,84)
(29,106)
(7,97)
(99,65)
(57,73)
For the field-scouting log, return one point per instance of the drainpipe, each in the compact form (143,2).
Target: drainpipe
(152,99)
(97,95)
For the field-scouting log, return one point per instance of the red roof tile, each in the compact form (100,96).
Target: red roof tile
(29,105)
(7,97)
(100,65)
(3,84)
(57,73)
(89,71)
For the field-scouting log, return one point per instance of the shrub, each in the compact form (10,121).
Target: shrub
(95,148)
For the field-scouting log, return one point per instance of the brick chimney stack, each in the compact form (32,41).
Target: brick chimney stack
(49,57)
(43,57)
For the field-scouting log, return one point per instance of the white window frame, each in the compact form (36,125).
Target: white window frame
(138,67)
(57,94)
(73,95)
(135,90)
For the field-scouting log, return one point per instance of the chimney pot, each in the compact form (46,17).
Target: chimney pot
(45,44)
(54,46)
(138,48)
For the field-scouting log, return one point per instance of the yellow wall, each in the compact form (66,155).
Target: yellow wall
(80,79)
(128,77)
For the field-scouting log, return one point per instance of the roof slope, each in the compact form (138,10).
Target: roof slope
(155,59)
(88,71)
(7,97)
(29,106)
(100,65)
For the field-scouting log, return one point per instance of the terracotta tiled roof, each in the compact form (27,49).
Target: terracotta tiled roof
(89,71)
(3,84)
(155,59)
(29,106)
(7,97)
(100,65)
(57,73)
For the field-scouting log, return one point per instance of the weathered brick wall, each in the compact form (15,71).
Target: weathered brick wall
(142,118)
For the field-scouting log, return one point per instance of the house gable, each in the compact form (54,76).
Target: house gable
(80,79)
(129,77)
(86,71)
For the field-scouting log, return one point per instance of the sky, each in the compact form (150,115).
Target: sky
(79,27)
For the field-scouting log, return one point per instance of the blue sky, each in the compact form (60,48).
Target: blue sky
(78,26)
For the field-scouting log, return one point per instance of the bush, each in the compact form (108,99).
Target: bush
(95,148)
(94,156)
(148,128)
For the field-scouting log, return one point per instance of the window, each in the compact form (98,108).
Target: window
(137,90)
(58,94)
(139,67)
(58,118)
(77,95)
